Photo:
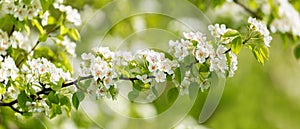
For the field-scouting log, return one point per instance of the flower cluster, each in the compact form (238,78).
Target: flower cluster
(21,9)
(8,70)
(158,65)
(16,40)
(261,28)
(41,73)
(289,19)
(73,15)
(100,65)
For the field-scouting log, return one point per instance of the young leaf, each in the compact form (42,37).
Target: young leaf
(53,98)
(258,55)
(73,33)
(63,30)
(236,45)
(264,52)
(231,33)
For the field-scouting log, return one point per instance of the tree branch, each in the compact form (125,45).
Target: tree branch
(254,14)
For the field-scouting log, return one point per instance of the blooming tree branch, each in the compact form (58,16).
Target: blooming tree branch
(35,79)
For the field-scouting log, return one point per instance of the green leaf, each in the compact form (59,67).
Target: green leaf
(57,86)
(64,100)
(37,24)
(132,95)
(45,4)
(177,73)
(113,92)
(297,51)
(258,55)
(73,33)
(43,37)
(236,45)
(231,33)
(63,30)
(172,94)
(51,20)
(77,98)
(2,89)
(53,98)
(55,110)
(80,95)
(264,52)
(167,55)
(75,101)
(22,98)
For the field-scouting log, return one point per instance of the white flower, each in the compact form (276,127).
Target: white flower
(4,42)
(12,92)
(45,18)
(221,51)
(261,28)
(69,45)
(159,76)
(143,78)
(72,14)
(20,13)
(165,66)
(288,19)
(233,64)
(104,51)
(84,72)
(181,52)
(201,54)
(9,69)
(9,7)
(152,67)
(107,82)
(88,56)
(217,30)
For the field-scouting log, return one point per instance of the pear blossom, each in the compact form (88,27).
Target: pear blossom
(217,30)
(44,18)
(159,76)
(261,28)
(143,78)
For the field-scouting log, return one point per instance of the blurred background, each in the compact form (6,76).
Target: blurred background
(257,97)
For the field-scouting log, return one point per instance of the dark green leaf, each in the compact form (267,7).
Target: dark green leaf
(75,101)
(22,98)
(177,73)
(297,51)
(64,100)
(53,98)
